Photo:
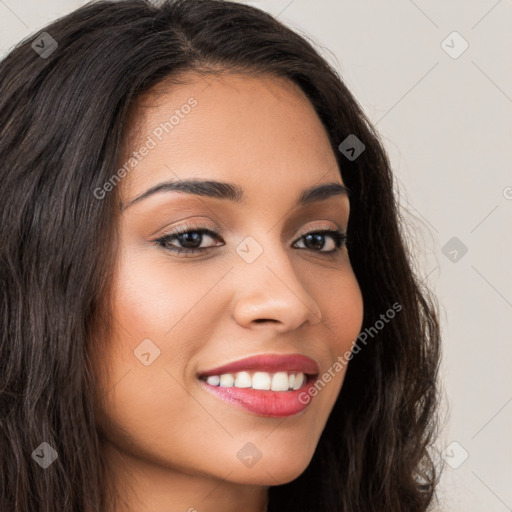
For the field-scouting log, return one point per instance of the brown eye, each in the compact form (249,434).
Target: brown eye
(187,240)
(315,240)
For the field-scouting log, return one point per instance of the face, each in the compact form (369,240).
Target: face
(204,281)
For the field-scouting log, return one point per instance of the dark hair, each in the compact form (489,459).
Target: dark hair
(63,119)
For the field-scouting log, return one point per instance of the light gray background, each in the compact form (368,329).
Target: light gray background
(447,125)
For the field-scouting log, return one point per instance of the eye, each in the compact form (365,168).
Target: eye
(315,240)
(190,239)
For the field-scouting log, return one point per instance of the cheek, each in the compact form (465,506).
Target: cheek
(348,318)
(342,304)
(161,302)
(160,309)
(148,343)
(340,299)
(154,320)
(149,298)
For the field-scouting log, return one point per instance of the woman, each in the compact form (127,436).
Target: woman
(207,301)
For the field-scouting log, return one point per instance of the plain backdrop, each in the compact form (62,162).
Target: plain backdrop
(435,78)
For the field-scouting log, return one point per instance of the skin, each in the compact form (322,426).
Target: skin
(171,445)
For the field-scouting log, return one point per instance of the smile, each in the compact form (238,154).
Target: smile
(266,385)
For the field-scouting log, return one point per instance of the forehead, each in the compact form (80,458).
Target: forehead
(260,131)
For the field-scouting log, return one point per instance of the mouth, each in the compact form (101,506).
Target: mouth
(265,385)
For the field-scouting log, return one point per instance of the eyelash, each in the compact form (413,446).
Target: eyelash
(340,240)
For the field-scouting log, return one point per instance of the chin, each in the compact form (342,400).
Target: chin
(273,471)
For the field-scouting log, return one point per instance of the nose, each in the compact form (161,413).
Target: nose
(268,290)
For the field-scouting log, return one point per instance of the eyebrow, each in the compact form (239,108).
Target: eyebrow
(235,193)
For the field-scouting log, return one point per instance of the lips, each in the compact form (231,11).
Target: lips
(263,401)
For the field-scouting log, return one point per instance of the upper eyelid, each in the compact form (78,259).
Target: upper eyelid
(214,233)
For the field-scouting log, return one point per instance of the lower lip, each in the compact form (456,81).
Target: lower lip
(277,404)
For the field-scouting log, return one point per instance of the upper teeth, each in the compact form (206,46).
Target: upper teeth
(280,381)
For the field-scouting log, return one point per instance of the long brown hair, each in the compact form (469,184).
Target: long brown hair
(62,120)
